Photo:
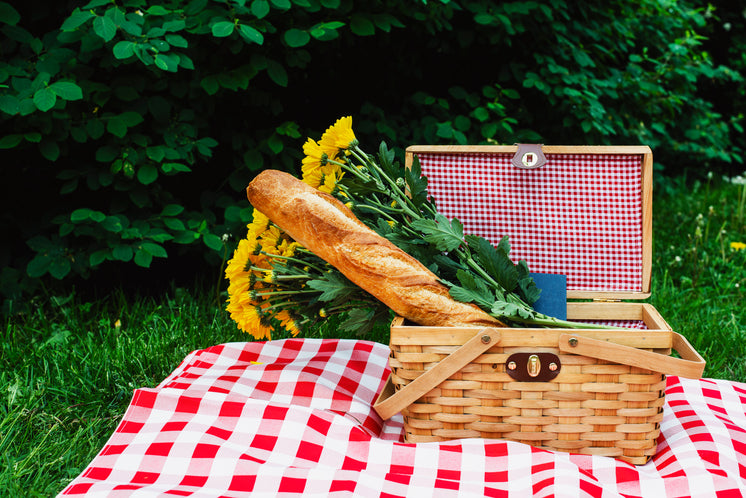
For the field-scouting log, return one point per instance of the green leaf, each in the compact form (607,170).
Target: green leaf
(210,85)
(174,224)
(105,28)
(326,31)
(77,18)
(59,267)
(156,250)
(131,118)
(185,61)
(174,167)
(124,49)
(222,29)
(116,126)
(296,38)
(484,18)
(333,287)
(98,257)
(147,174)
(44,99)
(472,290)
(282,4)
(174,25)
(358,320)
(96,3)
(106,154)
(8,14)
(185,237)
(49,149)
(122,253)
(526,286)
(251,34)
(66,90)
(260,8)
(39,243)
(112,224)
(77,133)
(38,266)
(177,40)
(156,153)
(10,104)
(95,128)
(277,73)
(416,183)
(80,215)
(275,143)
(172,210)
(97,216)
(444,234)
(143,258)
(505,309)
(495,261)
(213,241)
(157,10)
(362,26)
(68,188)
(10,141)
(489,130)
(167,62)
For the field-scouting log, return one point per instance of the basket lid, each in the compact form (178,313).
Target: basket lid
(585,212)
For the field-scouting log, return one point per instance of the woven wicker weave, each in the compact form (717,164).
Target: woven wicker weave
(593,406)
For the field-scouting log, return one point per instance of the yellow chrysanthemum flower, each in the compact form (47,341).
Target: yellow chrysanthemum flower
(737,246)
(286,320)
(247,316)
(270,238)
(235,268)
(313,177)
(339,136)
(287,248)
(259,223)
(315,157)
(330,181)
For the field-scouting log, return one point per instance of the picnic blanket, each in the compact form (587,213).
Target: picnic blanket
(295,418)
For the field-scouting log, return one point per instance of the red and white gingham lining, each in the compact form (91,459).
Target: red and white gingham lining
(295,418)
(579,215)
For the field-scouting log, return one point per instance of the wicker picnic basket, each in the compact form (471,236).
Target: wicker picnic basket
(584,212)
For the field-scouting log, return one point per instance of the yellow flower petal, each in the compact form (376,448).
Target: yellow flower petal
(339,136)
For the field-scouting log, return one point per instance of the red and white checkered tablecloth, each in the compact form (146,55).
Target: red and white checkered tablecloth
(295,418)
(580,215)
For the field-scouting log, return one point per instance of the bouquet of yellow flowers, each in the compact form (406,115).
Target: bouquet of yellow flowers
(275,283)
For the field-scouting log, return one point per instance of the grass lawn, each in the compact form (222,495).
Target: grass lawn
(68,367)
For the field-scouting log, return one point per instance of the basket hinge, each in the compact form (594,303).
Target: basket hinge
(606,300)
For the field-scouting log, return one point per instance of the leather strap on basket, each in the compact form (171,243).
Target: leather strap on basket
(390,403)
(690,365)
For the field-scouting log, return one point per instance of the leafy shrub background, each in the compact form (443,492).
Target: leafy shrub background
(129,130)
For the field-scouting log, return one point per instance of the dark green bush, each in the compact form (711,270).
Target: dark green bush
(129,129)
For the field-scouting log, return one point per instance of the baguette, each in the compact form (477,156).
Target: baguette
(330,230)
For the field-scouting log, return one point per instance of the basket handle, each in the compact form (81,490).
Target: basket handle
(392,402)
(690,365)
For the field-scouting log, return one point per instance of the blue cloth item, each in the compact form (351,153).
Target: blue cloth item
(553,299)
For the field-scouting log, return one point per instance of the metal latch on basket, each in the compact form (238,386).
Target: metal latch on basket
(533,367)
(529,156)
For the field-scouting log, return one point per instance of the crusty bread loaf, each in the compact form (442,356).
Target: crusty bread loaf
(329,229)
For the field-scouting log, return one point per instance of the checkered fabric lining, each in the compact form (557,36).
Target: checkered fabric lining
(295,418)
(579,215)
